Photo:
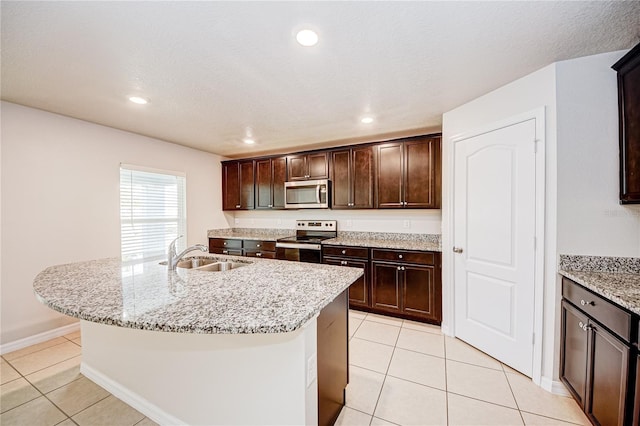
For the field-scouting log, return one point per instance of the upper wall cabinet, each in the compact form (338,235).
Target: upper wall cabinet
(628,68)
(408,173)
(308,166)
(237,185)
(271,174)
(352,177)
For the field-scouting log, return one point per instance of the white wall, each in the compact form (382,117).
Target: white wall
(60,201)
(401,221)
(523,95)
(590,219)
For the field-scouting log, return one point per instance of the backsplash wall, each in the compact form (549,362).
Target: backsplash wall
(400,221)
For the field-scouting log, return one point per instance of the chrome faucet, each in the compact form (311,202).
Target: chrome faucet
(173,258)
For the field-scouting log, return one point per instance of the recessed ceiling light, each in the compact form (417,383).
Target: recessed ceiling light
(366,120)
(307,37)
(138,100)
(248,141)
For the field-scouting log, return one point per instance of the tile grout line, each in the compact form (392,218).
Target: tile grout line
(39,350)
(446,380)
(512,393)
(385,377)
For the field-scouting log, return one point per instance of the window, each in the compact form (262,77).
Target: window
(152,212)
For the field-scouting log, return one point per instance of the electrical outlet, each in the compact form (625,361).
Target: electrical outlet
(406,224)
(312,369)
(348,224)
(236,221)
(279,222)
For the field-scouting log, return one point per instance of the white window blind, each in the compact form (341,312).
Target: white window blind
(152,212)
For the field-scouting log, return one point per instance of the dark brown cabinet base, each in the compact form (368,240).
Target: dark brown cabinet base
(596,362)
(333,359)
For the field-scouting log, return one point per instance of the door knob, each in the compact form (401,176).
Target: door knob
(457,249)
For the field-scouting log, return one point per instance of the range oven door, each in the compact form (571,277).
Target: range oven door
(310,253)
(308,194)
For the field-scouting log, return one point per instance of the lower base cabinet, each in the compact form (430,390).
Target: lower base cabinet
(596,364)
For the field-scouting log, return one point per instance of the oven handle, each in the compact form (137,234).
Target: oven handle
(316,247)
(318,194)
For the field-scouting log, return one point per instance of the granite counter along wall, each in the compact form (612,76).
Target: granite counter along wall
(620,265)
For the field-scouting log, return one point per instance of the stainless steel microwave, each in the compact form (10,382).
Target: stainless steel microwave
(307,194)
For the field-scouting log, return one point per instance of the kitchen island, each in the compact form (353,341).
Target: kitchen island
(250,345)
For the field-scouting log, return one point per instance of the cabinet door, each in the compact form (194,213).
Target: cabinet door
(419,296)
(573,351)
(359,290)
(341,179)
(362,178)
(389,178)
(279,177)
(246,185)
(263,186)
(421,166)
(318,165)
(231,186)
(636,405)
(608,378)
(386,286)
(297,167)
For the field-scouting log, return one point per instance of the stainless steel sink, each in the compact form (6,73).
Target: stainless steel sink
(195,262)
(221,266)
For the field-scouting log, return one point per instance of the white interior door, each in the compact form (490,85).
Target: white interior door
(494,238)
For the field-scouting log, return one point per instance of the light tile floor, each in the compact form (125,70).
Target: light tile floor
(408,373)
(401,373)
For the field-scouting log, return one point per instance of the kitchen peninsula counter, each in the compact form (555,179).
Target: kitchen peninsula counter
(263,343)
(265,296)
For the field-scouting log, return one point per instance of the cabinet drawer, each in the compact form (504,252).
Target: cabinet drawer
(224,243)
(259,253)
(421,257)
(222,250)
(603,311)
(260,245)
(359,252)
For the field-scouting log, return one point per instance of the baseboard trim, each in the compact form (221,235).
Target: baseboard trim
(150,410)
(38,338)
(556,387)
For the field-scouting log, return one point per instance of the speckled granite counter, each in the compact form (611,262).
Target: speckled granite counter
(266,296)
(425,242)
(615,278)
(251,233)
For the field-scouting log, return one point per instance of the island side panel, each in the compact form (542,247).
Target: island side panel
(333,358)
(182,378)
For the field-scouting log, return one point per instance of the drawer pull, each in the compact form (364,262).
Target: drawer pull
(225,251)
(399,256)
(589,303)
(238,206)
(257,245)
(583,326)
(344,252)
(259,254)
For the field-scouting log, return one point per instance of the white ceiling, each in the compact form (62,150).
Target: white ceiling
(215,70)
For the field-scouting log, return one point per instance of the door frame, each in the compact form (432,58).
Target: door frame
(539,145)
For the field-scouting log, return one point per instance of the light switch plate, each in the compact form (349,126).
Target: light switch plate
(236,221)
(406,224)
(349,224)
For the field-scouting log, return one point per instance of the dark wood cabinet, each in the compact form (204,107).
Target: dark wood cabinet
(271,174)
(636,404)
(352,175)
(595,355)
(628,68)
(308,166)
(407,283)
(228,246)
(354,257)
(408,173)
(259,248)
(238,185)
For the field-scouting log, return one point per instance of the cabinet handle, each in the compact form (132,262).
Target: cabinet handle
(270,206)
(344,252)
(225,251)
(259,254)
(225,243)
(257,245)
(399,256)
(402,268)
(589,303)
(398,268)
(238,206)
(583,326)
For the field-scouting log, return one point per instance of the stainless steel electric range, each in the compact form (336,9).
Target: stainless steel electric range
(306,245)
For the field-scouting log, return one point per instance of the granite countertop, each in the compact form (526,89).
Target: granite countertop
(614,278)
(266,296)
(251,233)
(424,242)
